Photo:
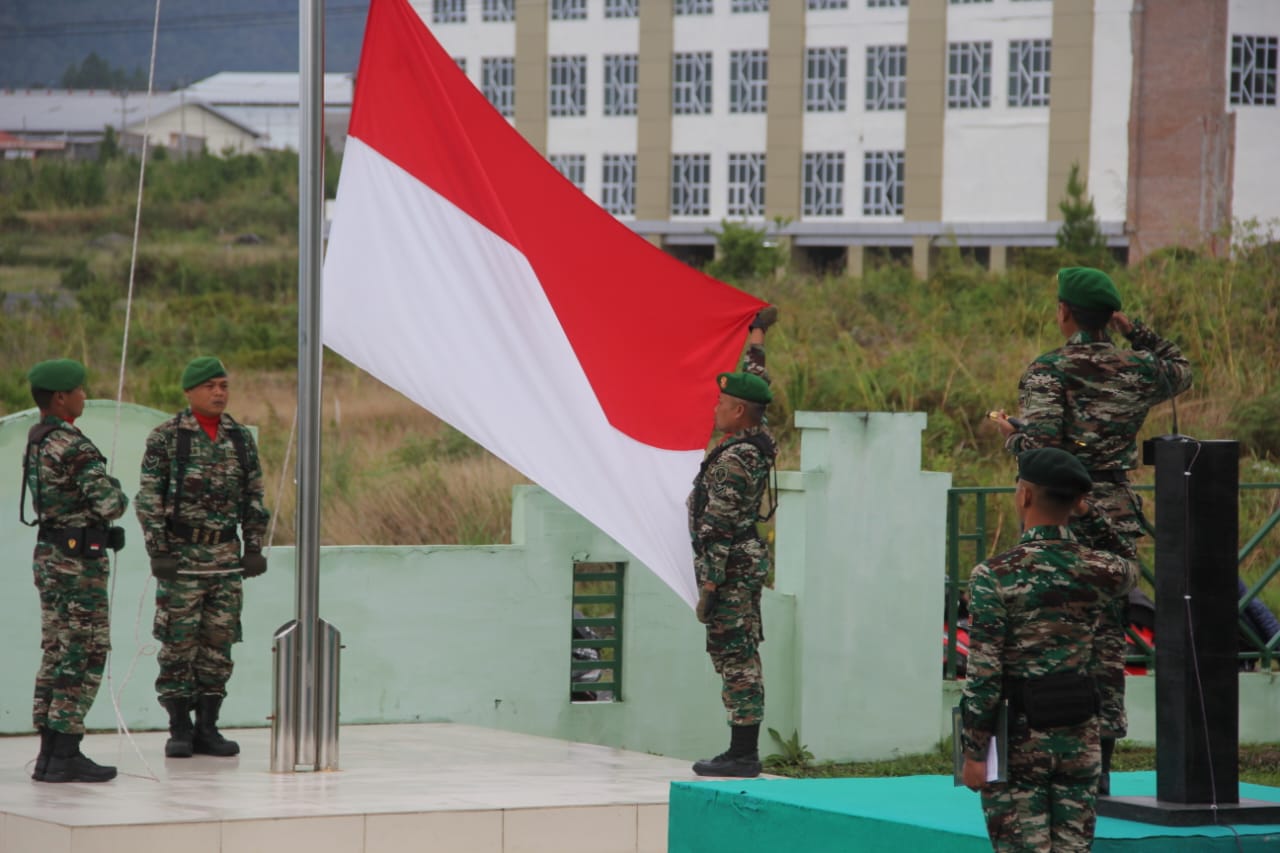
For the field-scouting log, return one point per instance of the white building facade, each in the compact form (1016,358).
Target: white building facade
(878,124)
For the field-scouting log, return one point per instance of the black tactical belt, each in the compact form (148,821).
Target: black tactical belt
(200,535)
(49,533)
(1111,475)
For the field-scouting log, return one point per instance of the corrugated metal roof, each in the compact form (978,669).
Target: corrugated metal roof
(80,112)
(267,88)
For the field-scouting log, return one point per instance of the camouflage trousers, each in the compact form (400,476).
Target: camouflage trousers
(734,635)
(197,622)
(1124,507)
(1049,801)
(75,637)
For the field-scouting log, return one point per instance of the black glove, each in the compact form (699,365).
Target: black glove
(252,563)
(765,318)
(707,599)
(164,567)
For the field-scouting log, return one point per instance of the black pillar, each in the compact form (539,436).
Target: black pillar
(1197,678)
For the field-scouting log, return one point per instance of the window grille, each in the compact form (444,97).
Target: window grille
(498,10)
(746,185)
(969,74)
(621,75)
(695,7)
(886,77)
(461,62)
(691,185)
(595,665)
(618,184)
(826,79)
(568,91)
(828,4)
(885,4)
(748,81)
(824,183)
(1029,73)
(621,8)
(572,166)
(448,11)
(1253,70)
(498,83)
(568,10)
(882,183)
(745,6)
(691,83)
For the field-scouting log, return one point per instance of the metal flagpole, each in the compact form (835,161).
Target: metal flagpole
(304,730)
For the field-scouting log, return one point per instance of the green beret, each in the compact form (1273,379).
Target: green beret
(1088,288)
(745,386)
(200,370)
(1055,469)
(60,374)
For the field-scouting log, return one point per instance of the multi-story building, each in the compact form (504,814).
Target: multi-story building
(878,124)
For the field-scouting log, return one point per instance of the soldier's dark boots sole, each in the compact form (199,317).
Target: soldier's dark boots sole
(78,768)
(736,768)
(216,746)
(179,747)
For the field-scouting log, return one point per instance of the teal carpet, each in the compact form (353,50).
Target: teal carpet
(913,814)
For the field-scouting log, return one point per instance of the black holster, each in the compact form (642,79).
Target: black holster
(1053,701)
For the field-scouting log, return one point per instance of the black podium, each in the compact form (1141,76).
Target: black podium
(1197,676)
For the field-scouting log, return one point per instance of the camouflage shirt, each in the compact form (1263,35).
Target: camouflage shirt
(217,493)
(67,480)
(1033,611)
(1090,397)
(725,502)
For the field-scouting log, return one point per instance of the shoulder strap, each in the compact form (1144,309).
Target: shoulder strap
(35,438)
(178,467)
(760,442)
(183,453)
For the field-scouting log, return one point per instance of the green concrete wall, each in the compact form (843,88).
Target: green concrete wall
(481,635)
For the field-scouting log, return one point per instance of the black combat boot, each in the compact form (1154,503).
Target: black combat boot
(742,761)
(208,740)
(179,744)
(1104,781)
(69,764)
(46,750)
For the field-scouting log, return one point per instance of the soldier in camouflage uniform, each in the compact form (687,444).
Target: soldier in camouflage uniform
(1090,398)
(75,502)
(201,480)
(1033,614)
(730,560)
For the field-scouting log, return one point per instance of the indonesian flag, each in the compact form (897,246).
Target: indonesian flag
(465,272)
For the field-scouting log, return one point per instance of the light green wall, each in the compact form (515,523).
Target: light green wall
(481,635)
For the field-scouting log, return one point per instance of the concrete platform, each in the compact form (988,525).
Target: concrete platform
(427,787)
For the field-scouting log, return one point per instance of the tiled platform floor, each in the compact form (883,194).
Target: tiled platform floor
(427,787)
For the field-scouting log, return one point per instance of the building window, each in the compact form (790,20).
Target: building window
(461,62)
(828,4)
(748,81)
(885,4)
(691,185)
(691,84)
(498,10)
(572,166)
(621,8)
(618,184)
(620,77)
(595,665)
(1253,70)
(498,83)
(568,91)
(961,2)
(1029,73)
(746,185)
(824,183)
(886,77)
(741,6)
(568,10)
(448,11)
(882,183)
(969,74)
(825,79)
(695,7)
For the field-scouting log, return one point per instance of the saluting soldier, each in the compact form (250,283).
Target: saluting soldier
(1090,398)
(730,560)
(201,492)
(1034,611)
(75,501)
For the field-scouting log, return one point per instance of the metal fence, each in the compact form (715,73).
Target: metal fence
(595,667)
(971,538)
